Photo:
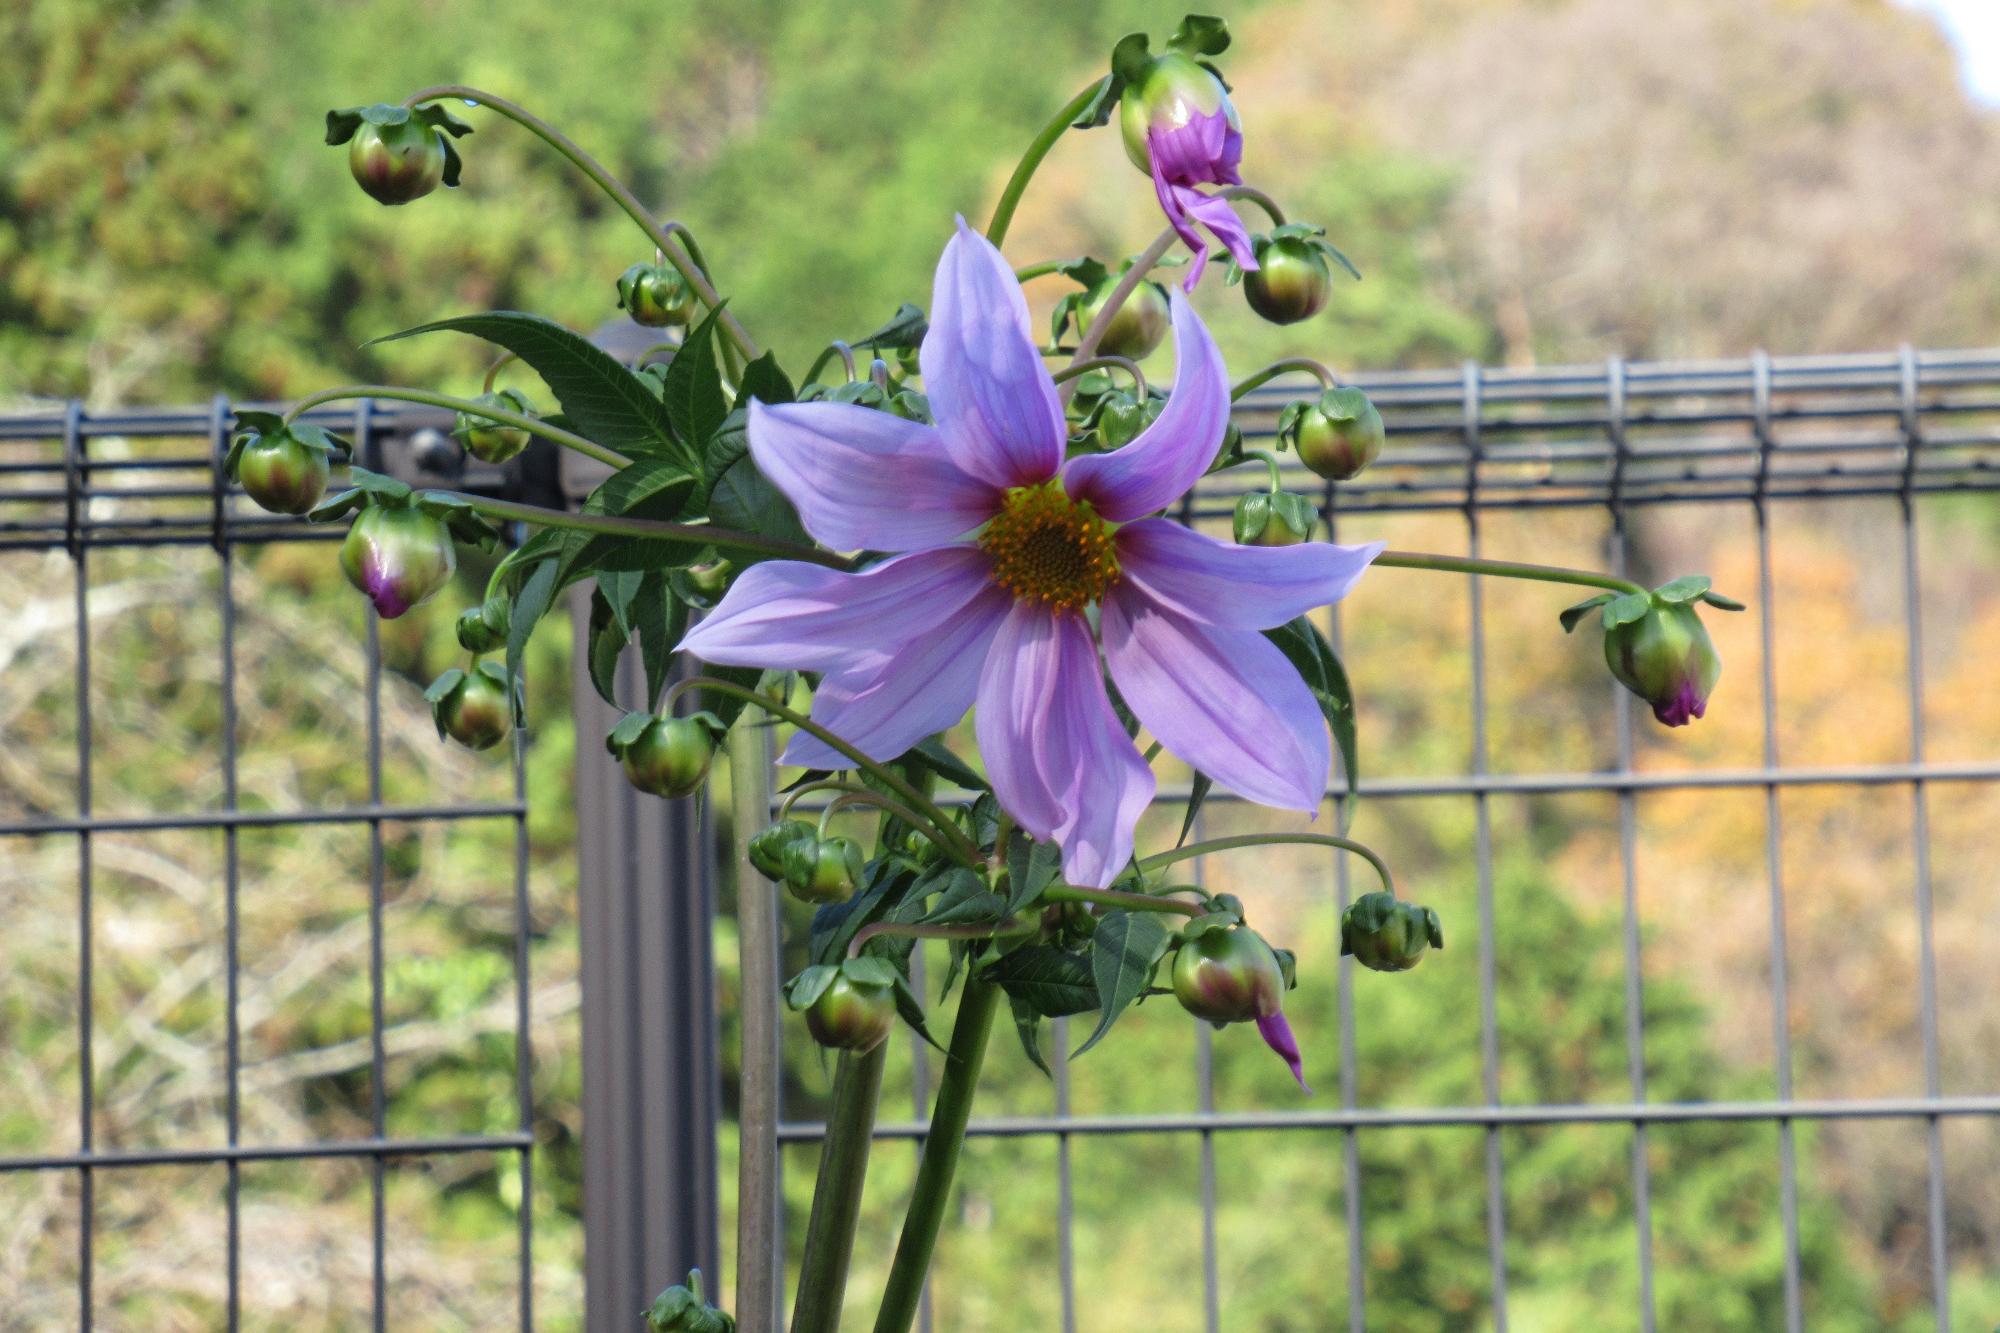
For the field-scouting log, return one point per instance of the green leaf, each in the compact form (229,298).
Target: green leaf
(1098,110)
(911,1009)
(693,389)
(629,727)
(530,604)
(882,885)
(1575,614)
(765,382)
(1132,57)
(1721,603)
(1208,921)
(1332,252)
(602,399)
(1124,950)
(1200,35)
(906,328)
(1028,1025)
(1620,610)
(1307,650)
(1683,589)
(443,685)
(608,638)
(744,499)
(932,753)
(659,619)
(1054,982)
(1031,867)
(965,897)
(870,971)
(1197,794)
(809,985)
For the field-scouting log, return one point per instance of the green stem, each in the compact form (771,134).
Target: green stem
(1257,197)
(1136,902)
(831,350)
(836,1206)
(1505,569)
(1270,465)
(499,363)
(1105,362)
(1041,270)
(955,841)
(1362,850)
(615,525)
(1277,368)
(533,425)
(760,1239)
(974,930)
(1017,184)
(1127,284)
(620,194)
(980,999)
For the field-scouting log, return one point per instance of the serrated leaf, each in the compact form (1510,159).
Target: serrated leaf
(602,399)
(1573,617)
(1630,607)
(764,381)
(1124,949)
(530,604)
(1683,589)
(659,619)
(911,1009)
(963,896)
(932,753)
(1031,867)
(744,499)
(809,985)
(1028,1026)
(692,391)
(1307,650)
(882,886)
(1054,982)
(607,643)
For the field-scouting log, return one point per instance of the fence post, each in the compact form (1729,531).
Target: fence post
(651,1091)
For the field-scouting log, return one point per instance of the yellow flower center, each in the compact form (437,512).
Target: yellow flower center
(1049,548)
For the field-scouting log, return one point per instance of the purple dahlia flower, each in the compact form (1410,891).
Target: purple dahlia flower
(1001,550)
(1181,129)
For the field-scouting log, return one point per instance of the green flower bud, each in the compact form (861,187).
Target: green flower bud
(1291,281)
(852,1014)
(488,440)
(1120,415)
(767,849)
(1228,975)
(656,295)
(472,707)
(1387,934)
(398,557)
(1666,658)
(483,629)
(669,756)
(1139,325)
(283,468)
(682,1310)
(1274,518)
(822,870)
(398,153)
(1337,436)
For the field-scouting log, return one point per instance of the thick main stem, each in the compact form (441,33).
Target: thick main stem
(661,237)
(843,1170)
(615,525)
(533,425)
(941,1148)
(1017,184)
(1506,569)
(760,1262)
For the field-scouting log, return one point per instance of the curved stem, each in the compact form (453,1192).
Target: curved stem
(533,425)
(1136,902)
(793,796)
(661,236)
(827,353)
(867,798)
(940,1160)
(955,840)
(1505,569)
(1127,284)
(500,362)
(613,525)
(1257,197)
(1041,270)
(1362,850)
(1276,368)
(1038,148)
(1124,363)
(1270,465)
(836,1205)
(974,930)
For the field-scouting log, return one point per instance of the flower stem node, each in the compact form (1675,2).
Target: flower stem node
(1336,436)
(1274,518)
(492,441)
(849,1007)
(1657,647)
(1387,934)
(472,706)
(682,1310)
(767,849)
(283,467)
(398,153)
(822,870)
(656,295)
(399,557)
(1294,274)
(665,756)
(1137,328)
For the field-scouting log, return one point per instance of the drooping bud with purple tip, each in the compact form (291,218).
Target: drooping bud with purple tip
(398,153)
(1228,974)
(1657,647)
(398,557)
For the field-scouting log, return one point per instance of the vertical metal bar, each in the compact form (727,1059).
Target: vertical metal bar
(1489,1015)
(1350,1146)
(524,1090)
(378,1105)
(76,468)
(1628,836)
(231,869)
(1781,1005)
(1921,829)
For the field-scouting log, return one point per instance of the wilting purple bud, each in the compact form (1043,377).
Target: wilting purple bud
(1665,657)
(397,557)
(1228,974)
(1277,1034)
(1181,129)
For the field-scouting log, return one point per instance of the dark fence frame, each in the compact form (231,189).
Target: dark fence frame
(1618,436)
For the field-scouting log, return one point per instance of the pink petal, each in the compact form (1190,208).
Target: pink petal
(1238,587)
(1225,700)
(866,480)
(1170,455)
(1277,1034)
(1014,692)
(996,407)
(801,617)
(922,688)
(1097,774)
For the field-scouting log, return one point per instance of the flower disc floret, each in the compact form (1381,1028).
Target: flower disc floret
(1049,548)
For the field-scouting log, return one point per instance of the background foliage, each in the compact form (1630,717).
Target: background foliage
(1519,181)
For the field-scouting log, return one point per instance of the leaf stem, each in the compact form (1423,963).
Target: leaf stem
(954,841)
(533,425)
(1362,850)
(1038,148)
(1136,902)
(499,363)
(663,237)
(1105,362)
(973,930)
(1505,569)
(1042,270)
(940,1160)
(617,525)
(836,1205)
(1276,368)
